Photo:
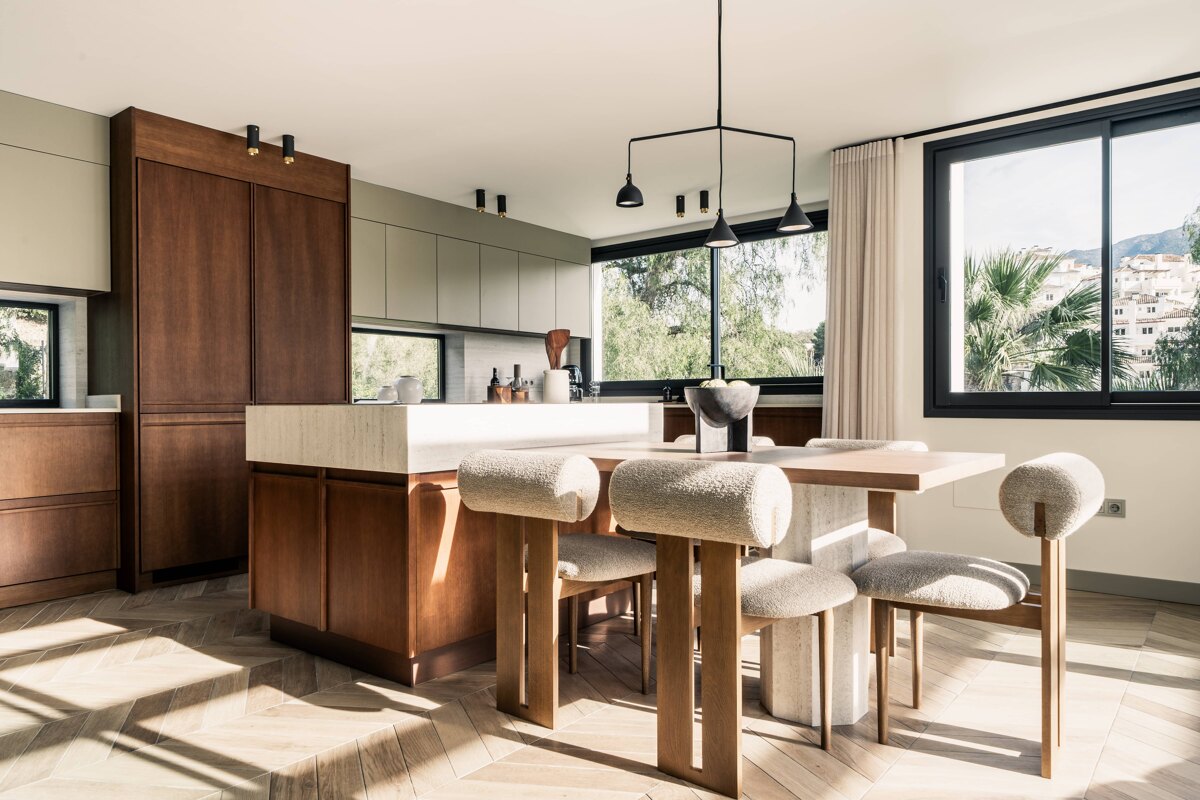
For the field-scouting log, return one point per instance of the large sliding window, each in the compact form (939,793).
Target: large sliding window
(656,310)
(28,358)
(1063,264)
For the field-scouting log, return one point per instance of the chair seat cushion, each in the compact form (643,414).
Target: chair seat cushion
(781,589)
(881,543)
(593,557)
(946,580)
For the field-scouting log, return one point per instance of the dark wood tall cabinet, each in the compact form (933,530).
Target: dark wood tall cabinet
(230,287)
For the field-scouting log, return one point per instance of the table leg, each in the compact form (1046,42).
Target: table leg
(829,529)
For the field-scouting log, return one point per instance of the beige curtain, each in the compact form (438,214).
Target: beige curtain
(860,316)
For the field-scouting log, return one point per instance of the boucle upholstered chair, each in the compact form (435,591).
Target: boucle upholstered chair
(727,506)
(1048,498)
(881,538)
(536,567)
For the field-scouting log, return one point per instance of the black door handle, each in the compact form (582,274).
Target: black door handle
(943,285)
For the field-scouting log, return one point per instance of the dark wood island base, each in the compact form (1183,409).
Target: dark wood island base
(386,572)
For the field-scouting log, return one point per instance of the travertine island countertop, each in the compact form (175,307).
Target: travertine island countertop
(433,437)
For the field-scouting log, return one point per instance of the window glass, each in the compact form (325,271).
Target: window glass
(26,353)
(1156,259)
(378,358)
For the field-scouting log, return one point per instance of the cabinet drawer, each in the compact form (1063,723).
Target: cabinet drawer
(55,458)
(38,544)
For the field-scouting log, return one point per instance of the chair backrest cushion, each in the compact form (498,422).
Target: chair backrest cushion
(1070,486)
(759,441)
(541,485)
(721,501)
(867,444)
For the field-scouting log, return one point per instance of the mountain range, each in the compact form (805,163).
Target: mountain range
(1172,241)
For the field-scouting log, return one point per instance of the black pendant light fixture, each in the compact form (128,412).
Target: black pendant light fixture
(630,196)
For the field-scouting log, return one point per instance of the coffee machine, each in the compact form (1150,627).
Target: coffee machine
(575,382)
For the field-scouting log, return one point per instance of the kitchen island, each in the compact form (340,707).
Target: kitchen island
(360,548)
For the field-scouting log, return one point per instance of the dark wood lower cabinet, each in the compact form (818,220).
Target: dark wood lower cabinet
(58,505)
(193,489)
(389,573)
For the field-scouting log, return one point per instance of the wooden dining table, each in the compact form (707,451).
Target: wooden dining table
(836,496)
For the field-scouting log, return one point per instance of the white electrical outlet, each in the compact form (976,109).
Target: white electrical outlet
(1112,507)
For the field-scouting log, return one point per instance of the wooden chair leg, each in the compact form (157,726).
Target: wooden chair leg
(676,678)
(871,623)
(510,615)
(825,656)
(646,597)
(883,613)
(917,635)
(721,668)
(1051,668)
(1061,599)
(542,537)
(573,633)
(892,632)
(637,607)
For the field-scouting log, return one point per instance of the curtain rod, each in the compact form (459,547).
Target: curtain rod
(1032,109)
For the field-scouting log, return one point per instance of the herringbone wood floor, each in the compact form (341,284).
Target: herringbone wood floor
(178,693)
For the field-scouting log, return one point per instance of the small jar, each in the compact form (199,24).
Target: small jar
(386,394)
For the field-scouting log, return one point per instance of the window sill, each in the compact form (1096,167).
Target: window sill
(1124,411)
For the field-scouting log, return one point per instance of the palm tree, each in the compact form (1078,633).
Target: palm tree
(1016,342)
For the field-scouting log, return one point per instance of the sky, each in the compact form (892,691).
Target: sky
(1050,197)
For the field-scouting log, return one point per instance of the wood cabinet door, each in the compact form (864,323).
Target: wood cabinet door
(573,298)
(287,547)
(301,328)
(535,286)
(457,282)
(411,275)
(367,546)
(455,550)
(194,480)
(193,288)
(498,294)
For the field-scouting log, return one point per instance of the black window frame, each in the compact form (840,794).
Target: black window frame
(1105,123)
(54,400)
(441,340)
(756,231)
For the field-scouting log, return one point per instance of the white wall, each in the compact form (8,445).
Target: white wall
(1154,465)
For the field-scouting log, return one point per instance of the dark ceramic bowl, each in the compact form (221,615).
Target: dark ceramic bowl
(723,405)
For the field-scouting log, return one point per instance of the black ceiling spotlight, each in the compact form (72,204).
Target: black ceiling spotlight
(289,149)
(502,206)
(630,196)
(793,221)
(480,201)
(679,206)
(252,140)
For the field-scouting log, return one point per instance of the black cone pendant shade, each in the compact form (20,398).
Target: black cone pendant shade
(721,234)
(794,219)
(630,196)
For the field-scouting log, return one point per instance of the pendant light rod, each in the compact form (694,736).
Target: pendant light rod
(720,82)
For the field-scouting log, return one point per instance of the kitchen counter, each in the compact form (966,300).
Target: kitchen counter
(433,437)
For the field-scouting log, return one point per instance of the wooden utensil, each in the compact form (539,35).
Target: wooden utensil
(556,342)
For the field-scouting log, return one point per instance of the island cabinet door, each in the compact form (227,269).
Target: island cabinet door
(455,551)
(286,546)
(367,566)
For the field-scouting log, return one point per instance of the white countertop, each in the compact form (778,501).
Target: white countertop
(433,437)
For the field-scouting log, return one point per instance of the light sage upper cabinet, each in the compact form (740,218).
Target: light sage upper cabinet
(412,269)
(498,291)
(535,293)
(53,221)
(573,297)
(457,282)
(368,287)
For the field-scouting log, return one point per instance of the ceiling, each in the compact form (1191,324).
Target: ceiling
(536,98)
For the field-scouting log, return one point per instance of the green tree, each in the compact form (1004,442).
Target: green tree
(818,341)
(1013,341)
(1178,357)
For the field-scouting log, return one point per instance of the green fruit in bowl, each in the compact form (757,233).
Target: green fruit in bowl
(713,383)
(738,383)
